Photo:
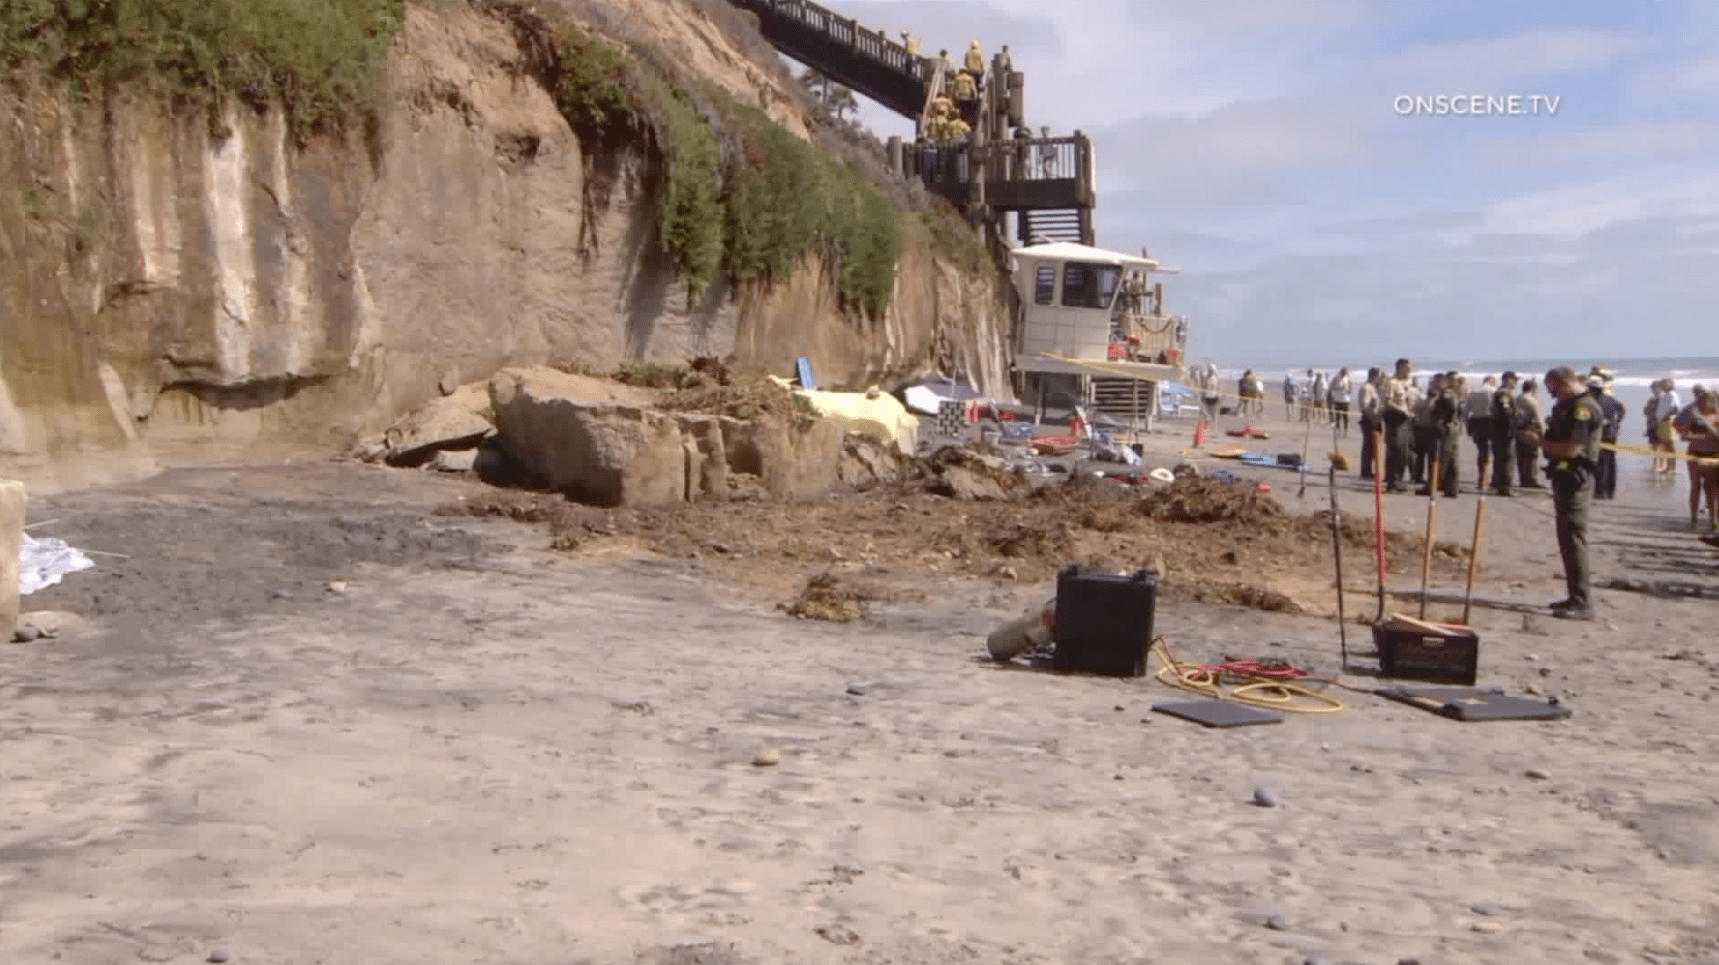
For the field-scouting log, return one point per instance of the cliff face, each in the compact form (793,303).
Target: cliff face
(170,297)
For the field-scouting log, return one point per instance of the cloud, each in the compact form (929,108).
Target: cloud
(1503,64)
(1419,222)
(1602,146)
(1584,207)
(1656,237)
(1242,16)
(1694,75)
(1185,241)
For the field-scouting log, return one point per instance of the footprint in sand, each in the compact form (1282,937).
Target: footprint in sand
(719,903)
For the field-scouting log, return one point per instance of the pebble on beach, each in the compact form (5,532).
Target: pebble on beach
(1265,796)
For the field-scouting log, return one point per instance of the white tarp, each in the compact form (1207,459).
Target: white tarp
(45,562)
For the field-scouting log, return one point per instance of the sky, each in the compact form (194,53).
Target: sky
(1263,147)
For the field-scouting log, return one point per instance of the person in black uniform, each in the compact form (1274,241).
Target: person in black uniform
(1572,447)
(1503,433)
(1606,472)
(1444,435)
(1397,413)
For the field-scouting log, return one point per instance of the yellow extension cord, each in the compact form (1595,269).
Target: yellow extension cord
(1258,691)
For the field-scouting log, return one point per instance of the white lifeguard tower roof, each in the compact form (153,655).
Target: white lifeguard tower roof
(1069,251)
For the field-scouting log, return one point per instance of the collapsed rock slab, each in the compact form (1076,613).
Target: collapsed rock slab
(444,423)
(599,453)
(795,458)
(706,457)
(12,505)
(867,462)
(609,453)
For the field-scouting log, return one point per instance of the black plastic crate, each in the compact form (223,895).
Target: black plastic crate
(1103,622)
(1410,652)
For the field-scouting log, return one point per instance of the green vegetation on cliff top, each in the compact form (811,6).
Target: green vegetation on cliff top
(323,60)
(742,198)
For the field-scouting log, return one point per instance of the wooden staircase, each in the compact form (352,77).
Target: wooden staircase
(1046,182)
(864,60)
(1060,224)
(1129,401)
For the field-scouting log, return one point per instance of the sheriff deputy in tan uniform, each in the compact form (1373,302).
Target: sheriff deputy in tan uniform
(1397,411)
(1572,447)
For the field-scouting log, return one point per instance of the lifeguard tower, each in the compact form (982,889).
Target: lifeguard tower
(1093,328)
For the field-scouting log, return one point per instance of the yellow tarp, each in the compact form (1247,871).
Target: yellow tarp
(873,412)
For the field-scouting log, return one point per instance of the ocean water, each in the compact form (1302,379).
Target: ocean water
(1630,381)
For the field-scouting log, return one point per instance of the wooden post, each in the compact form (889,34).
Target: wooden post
(1474,558)
(1431,536)
(1379,513)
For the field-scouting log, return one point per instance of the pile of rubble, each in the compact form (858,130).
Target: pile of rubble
(541,429)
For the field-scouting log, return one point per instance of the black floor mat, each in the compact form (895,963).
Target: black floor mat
(1470,704)
(1219,713)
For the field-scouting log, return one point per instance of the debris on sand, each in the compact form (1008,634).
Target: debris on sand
(1196,500)
(519,507)
(826,598)
(958,472)
(569,523)
(741,397)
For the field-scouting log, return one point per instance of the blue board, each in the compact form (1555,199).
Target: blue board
(803,366)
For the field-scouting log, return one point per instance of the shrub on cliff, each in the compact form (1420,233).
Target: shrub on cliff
(741,198)
(324,61)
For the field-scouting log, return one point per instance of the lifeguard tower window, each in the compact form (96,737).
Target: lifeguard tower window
(1045,290)
(1089,286)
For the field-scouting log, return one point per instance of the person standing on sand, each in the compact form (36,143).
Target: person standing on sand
(1341,387)
(1606,474)
(1209,393)
(1370,405)
(1572,448)
(1289,396)
(1504,433)
(1444,410)
(1397,409)
(1699,423)
(1529,430)
(1668,407)
(1425,433)
(1649,416)
(1321,389)
(1480,425)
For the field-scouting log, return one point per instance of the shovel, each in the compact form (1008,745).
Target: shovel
(1337,554)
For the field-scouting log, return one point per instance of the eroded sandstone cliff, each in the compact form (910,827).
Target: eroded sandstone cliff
(175,291)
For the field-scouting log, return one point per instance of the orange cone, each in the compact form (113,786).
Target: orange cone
(1200,433)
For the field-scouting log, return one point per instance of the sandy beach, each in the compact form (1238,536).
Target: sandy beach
(307,718)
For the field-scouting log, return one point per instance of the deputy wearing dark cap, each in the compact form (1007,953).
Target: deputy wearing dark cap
(1503,433)
(1572,448)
